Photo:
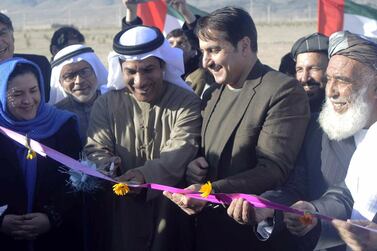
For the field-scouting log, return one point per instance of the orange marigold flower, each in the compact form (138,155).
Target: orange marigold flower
(121,189)
(206,189)
(306,219)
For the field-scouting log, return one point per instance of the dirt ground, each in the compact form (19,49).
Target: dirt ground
(274,40)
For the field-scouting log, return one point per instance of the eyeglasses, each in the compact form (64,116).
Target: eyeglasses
(83,73)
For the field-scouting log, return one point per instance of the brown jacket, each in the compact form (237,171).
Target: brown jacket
(258,151)
(198,80)
(264,138)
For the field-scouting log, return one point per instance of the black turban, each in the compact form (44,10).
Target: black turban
(354,46)
(315,42)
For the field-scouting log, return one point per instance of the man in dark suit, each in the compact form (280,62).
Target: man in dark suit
(247,137)
(7,51)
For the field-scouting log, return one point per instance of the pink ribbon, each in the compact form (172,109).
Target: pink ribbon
(218,198)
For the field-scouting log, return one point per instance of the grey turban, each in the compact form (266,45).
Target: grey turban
(354,46)
(315,42)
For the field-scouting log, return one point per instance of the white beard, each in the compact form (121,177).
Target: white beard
(341,126)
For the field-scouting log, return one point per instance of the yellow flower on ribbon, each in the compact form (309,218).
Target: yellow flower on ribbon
(306,219)
(31,154)
(206,189)
(121,189)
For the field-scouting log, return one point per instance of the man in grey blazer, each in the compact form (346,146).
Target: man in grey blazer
(253,127)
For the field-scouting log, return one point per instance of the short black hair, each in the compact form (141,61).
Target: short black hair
(288,65)
(4,19)
(23,68)
(62,35)
(234,24)
(175,33)
(191,38)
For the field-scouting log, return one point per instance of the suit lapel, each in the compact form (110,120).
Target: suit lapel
(242,104)
(211,104)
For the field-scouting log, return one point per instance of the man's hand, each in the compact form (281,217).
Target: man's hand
(293,222)
(111,167)
(130,4)
(188,205)
(178,5)
(131,8)
(244,213)
(125,2)
(182,8)
(356,238)
(132,176)
(197,171)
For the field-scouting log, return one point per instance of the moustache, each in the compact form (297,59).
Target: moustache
(311,82)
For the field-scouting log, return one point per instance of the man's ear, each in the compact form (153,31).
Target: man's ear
(375,85)
(245,44)
(163,65)
(54,49)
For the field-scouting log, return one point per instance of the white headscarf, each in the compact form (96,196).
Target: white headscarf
(173,58)
(57,93)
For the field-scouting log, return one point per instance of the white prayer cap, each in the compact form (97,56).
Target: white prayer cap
(73,54)
(138,43)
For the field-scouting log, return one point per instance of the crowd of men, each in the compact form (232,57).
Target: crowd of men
(168,112)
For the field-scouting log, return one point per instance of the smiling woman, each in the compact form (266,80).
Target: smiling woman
(23,95)
(41,208)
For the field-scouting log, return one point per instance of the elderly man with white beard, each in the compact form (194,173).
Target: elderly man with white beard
(315,185)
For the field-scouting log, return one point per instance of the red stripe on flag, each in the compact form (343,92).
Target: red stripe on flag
(330,16)
(153,13)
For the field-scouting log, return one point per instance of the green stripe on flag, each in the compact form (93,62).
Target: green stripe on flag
(198,12)
(172,12)
(195,11)
(359,9)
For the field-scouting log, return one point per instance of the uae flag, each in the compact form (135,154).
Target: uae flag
(337,15)
(157,13)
